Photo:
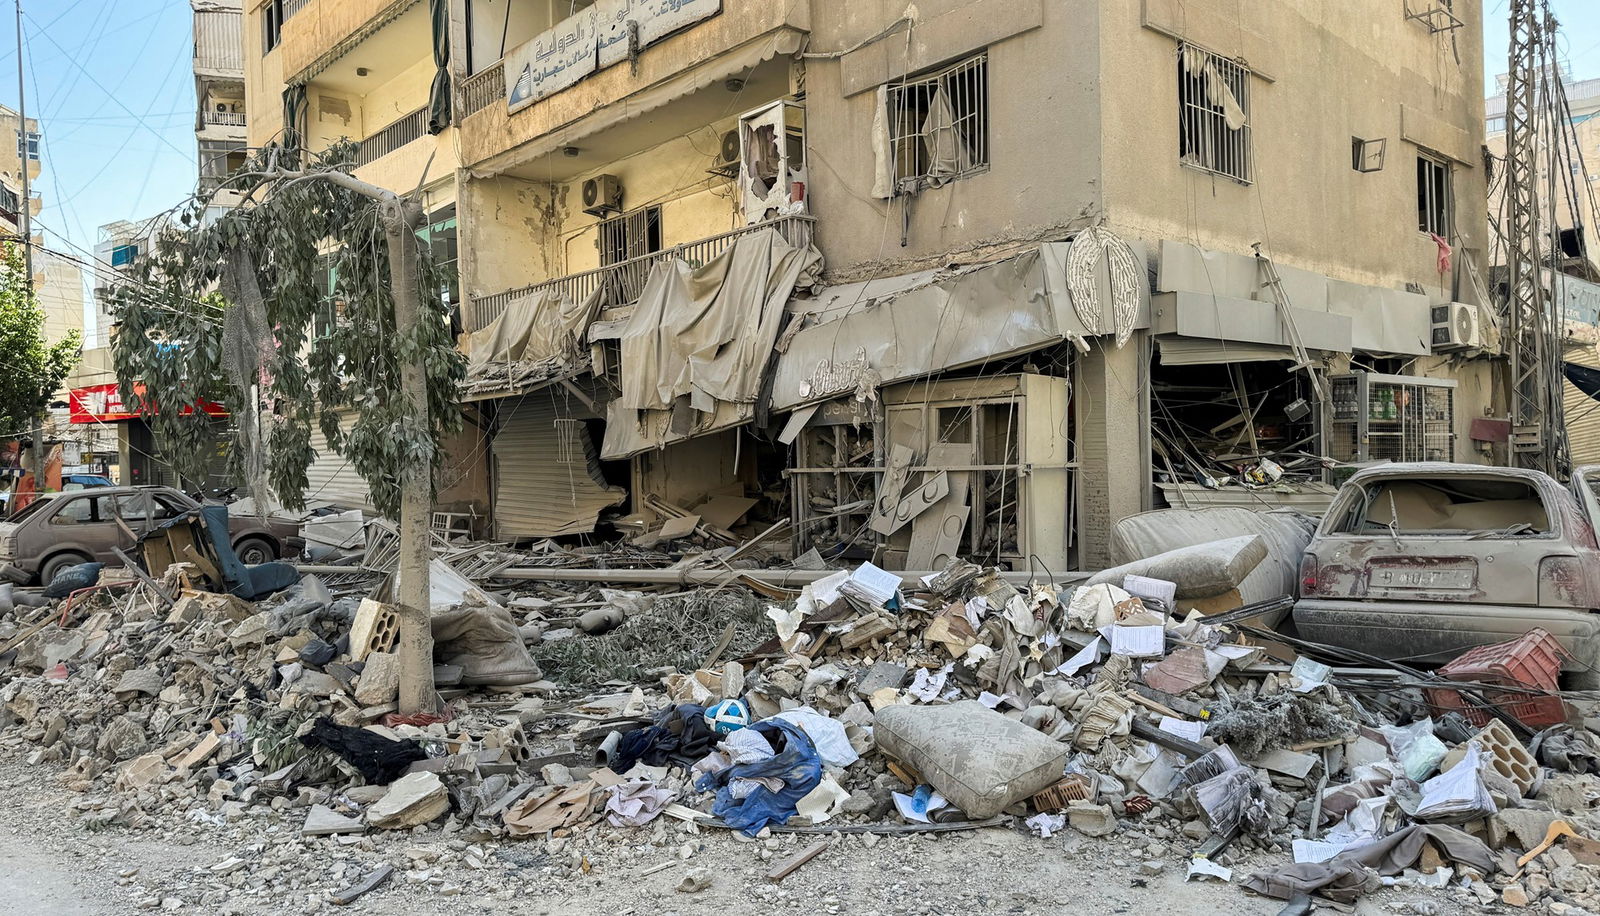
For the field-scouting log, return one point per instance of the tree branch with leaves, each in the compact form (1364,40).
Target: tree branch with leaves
(34,367)
(235,306)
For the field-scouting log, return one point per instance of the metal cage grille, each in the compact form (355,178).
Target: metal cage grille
(939,125)
(1214,114)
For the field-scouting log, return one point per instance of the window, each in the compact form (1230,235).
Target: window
(81,510)
(440,237)
(939,125)
(1214,114)
(1433,196)
(10,203)
(331,309)
(272,19)
(630,235)
(1497,125)
(123,255)
(33,145)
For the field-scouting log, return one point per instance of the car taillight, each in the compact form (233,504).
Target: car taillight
(1563,582)
(1308,575)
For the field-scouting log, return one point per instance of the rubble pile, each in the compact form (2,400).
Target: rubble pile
(863,705)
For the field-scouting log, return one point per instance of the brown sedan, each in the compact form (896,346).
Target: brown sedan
(64,529)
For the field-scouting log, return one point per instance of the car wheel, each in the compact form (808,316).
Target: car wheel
(255,551)
(53,566)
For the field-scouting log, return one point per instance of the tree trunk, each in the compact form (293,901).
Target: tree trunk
(415,647)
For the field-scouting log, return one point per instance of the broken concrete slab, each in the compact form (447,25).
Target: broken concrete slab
(412,800)
(380,679)
(324,821)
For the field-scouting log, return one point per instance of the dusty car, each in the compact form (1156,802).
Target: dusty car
(61,529)
(1421,561)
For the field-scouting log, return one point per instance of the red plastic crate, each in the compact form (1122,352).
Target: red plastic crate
(1532,660)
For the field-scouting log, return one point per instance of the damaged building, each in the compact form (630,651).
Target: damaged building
(902,283)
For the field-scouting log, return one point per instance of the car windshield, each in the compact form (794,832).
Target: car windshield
(1482,507)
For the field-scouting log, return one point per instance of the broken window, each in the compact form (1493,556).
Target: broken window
(1214,114)
(1433,196)
(1453,505)
(939,125)
(630,235)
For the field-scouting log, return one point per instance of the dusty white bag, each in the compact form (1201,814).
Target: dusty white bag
(978,759)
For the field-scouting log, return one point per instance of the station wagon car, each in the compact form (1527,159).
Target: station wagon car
(1419,562)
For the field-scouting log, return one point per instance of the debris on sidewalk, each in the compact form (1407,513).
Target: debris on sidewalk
(861,704)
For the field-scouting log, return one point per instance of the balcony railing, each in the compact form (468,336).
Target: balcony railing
(225,118)
(290,7)
(483,88)
(409,127)
(622,282)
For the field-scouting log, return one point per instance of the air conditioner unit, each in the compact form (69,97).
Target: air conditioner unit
(1456,326)
(602,195)
(726,163)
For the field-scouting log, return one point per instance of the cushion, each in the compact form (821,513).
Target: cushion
(979,760)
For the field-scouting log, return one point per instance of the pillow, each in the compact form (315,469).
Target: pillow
(979,760)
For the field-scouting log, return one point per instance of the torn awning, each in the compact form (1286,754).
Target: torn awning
(537,338)
(901,328)
(1583,378)
(695,348)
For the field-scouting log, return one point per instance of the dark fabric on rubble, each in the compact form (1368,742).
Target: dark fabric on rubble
(69,580)
(1564,749)
(680,734)
(317,653)
(796,763)
(378,760)
(1345,877)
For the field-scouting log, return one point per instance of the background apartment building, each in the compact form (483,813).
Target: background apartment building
(719,250)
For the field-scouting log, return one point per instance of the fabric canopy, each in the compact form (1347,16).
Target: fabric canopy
(536,336)
(700,338)
(1583,378)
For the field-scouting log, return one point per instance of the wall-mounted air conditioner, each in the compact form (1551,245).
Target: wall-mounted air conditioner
(1456,326)
(602,195)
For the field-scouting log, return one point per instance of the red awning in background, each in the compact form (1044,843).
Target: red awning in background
(103,404)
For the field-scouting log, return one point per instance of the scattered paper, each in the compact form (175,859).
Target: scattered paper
(990,700)
(826,589)
(1201,867)
(1143,587)
(976,608)
(1183,728)
(1045,824)
(1314,851)
(1136,642)
(929,684)
(787,623)
(1088,655)
(1309,674)
(917,808)
(876,587)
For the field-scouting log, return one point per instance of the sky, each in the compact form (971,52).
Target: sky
(110,82)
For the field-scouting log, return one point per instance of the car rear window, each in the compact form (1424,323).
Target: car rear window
(1480,506)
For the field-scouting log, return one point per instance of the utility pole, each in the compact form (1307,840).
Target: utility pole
(27,232)
(1533,332)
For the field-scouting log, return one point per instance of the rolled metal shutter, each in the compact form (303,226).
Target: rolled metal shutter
(1582,412)
(331,477)
(547,474)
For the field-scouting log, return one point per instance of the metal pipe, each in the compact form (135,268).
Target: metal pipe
(784,578)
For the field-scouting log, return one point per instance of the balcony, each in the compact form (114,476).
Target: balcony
(623,282)
(404,130)
(694,72)
(223,118)
(318,32)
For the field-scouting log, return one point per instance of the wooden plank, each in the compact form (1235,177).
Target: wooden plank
(786,867)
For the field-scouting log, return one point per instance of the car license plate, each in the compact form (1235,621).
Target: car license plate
(1409,576)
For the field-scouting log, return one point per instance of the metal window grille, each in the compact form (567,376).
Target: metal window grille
(1214,114)
(1397,419)
(630,235)
(1433,196)
(939,125)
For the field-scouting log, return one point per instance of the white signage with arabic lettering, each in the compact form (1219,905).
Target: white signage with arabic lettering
(592,40)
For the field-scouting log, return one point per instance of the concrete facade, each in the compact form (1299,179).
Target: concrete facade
(1083,127)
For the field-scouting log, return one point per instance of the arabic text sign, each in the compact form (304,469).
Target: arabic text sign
(591,40)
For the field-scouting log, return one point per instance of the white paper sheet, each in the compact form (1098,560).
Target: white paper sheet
(1136,642)
(1145,587)
(1183,728)
(871,584)
(1088,655)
